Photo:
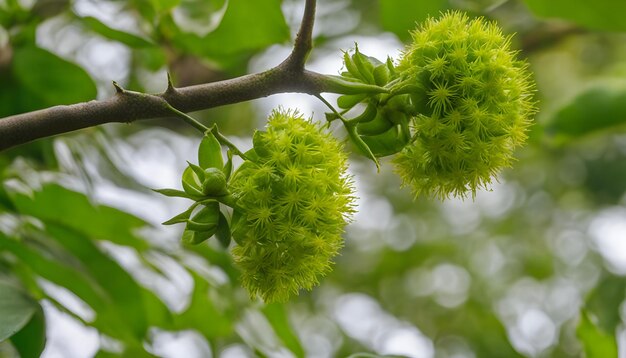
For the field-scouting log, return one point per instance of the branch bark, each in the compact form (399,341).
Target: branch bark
(129,106)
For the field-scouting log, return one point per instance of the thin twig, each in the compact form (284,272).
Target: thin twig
(224,141)
(189,120)
(352,132)
(332,108)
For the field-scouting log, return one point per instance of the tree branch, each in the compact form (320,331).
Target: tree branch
(128,106)
(304,39)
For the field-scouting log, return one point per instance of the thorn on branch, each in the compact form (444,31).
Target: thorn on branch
(118,88)
(170,85)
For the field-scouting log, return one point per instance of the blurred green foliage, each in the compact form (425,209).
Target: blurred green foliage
(534,268)
(599,15)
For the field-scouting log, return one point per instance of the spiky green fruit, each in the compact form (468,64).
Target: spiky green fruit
(474,105)
(293,200)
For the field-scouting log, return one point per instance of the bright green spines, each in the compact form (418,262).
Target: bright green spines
(294,201)
(474,100)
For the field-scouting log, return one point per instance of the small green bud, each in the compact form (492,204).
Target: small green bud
(214,182)
(191,183)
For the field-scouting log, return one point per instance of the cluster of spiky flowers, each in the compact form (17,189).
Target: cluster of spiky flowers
(452,111)
(473,99)
(293,200)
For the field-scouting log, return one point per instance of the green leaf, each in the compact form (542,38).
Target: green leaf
(120,36)
(62,82)
(361,146)
(191,183)
(125,295)
(150,58)
(31,339)
(238,227)
(124,310)
(596,342)
(381,75)
(597,15)
(265,25)
(202,227)
(173,193)
(56,204)
(277,317)
(61,274)
(364,66)
(206,219)
(350,100)
(401,16)
(353,71)
(604,178)
(596,109)
(223,231)
(16,309)
(252,156)
(210,152)
(228,167)
(260,144)
(198,171)
(180,218)
(15,98)
(200,17)
(164,5)
(390,142)
(604,302)
(230,45)
(204,315)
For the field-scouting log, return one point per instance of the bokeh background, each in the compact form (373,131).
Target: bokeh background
(532,268)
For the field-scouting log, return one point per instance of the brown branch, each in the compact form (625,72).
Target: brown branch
(304,39)
(128,106)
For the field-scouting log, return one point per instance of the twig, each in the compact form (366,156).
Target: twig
(224,141)
(350,126)
(304,39)
(189,120)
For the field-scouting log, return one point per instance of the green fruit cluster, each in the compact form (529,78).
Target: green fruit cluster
(451,111)
(474,100)
(294,198)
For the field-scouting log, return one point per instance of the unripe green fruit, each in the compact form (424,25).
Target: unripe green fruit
(474,105)
(214,182)
(294,199)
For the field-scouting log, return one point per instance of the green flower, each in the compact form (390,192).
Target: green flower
(293,200)
(473,101)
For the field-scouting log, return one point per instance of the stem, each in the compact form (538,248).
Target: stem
(332,108)
(350,126)
(224,141)
(190,120)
